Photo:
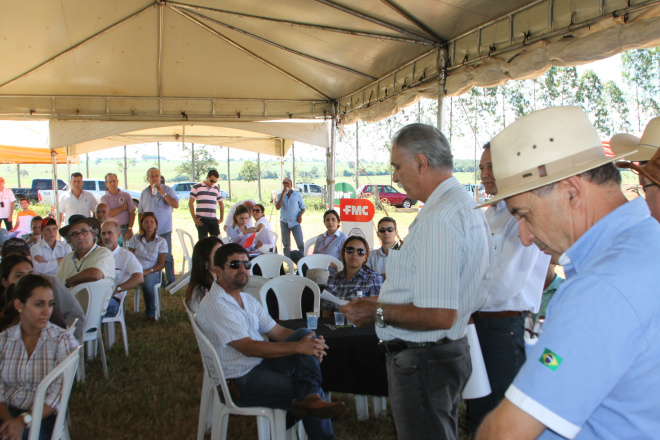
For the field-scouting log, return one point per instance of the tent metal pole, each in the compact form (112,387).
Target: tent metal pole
(18,173)
(158,151)
(442,82)
(87,163)
(53,156)
(228,174)
(331,160)
(293,160)
(259,174)
(281,160)
(68,161)
(357,155)
(192,149)
(125,170)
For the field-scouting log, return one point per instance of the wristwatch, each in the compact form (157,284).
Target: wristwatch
(27,419)
(380,321)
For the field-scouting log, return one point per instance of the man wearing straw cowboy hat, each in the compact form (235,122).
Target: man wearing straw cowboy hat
(595,371)
(647,161)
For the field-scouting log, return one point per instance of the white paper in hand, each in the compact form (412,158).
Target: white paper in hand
(333,299)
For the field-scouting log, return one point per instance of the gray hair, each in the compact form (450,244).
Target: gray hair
(111,174)
(427,140)
(152,168)
(114,225)
(604,175)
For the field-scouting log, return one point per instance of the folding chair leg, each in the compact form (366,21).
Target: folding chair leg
(109,334)
(80,374)
(123,333)
(362,407)
(380,405)
(105,364)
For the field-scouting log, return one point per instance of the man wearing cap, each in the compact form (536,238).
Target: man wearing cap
(76,201)
(162,201)
(436,279)
(48,254)
(207,194)
(7,200)
(594,371)
(88,262)
(128,270)
(645,162)
(518,275)
(121,206)
(291,207)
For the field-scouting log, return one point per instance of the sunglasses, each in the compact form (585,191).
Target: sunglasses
(235,264)
(351,249)
(256,210)
(388,229)
(213,181)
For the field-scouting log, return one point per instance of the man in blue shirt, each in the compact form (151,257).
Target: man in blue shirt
(291,207)
(161,200)
(595,371)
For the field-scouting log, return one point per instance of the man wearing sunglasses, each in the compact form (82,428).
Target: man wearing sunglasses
(88,262)
(435,280)
(207,194)
(387,235)
(282,373)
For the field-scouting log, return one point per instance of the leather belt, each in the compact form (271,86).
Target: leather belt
(397,345)
(496,315)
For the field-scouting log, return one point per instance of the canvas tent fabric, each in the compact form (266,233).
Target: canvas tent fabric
(200,61)
(29,156)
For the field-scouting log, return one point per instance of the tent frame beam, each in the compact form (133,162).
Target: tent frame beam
(304,25)
(414,20)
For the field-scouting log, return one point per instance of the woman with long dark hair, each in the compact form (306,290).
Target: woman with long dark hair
(356,275)
(29,351)
(202,275)
(151,251)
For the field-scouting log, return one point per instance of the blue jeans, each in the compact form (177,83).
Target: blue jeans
(503,347)
(47,424)
(286,237)
(112,309)
(425,386)
(169,259)
(149,294)
(275,383)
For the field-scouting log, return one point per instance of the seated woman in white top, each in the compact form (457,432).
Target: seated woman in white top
(47,254)
(333,240)
(239,231)
(262,227)
(29,351)
(150,250)
(202,275)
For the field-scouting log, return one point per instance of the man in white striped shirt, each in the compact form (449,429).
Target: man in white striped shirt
(435,280)
(283,374)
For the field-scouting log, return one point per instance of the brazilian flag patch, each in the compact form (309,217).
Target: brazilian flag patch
(550,360)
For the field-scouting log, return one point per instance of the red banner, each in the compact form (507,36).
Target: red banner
(356,210)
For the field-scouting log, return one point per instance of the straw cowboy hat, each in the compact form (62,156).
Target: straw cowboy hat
(647,150)
(544,147)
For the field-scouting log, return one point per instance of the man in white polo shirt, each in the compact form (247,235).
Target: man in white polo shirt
(76,201)
(128,270)
(48,254)
(7,200)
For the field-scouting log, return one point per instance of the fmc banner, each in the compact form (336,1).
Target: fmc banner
(356,218)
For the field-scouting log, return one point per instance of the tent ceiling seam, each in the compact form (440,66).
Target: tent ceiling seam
(287,49)
(377,21)
(305,25)
(75,46)
(413,19)
(248,52)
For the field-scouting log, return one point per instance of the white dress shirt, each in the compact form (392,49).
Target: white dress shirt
(518,271)
(51,265)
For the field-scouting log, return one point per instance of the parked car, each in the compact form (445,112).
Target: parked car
(306,189)
(387,194)
(96,187)
(182,190)
(32,193)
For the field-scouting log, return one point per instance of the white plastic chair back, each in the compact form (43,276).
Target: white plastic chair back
(254,285)
(187,254)
(288,290)
(119,317)
(317,261)
(270,265)
(309,246)
(66,369)
(269,243)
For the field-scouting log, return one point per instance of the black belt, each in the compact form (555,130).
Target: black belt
(397,345)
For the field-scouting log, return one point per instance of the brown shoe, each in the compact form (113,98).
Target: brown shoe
(314,406)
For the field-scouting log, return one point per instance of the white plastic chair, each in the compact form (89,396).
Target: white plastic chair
(271,423)
(110,323)
(187,254)
(309,246)
(254,285)
(270,265)
(138,291)
(66,369)
(94,298)
(317,261)
(271,246)
(362,406)
(288,290)
(179,283)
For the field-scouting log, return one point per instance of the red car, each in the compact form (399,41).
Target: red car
(388,194)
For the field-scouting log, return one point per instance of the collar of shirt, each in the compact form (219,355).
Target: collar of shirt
(14,332)
(73,257)
(440,191)
(220,292)
(600,236)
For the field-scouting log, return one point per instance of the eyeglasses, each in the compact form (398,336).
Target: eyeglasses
(213,181)
(235,264)
(388,229)
(351,249)
(256,210)
(81,232)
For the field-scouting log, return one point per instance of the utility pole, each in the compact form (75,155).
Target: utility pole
(125,170)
